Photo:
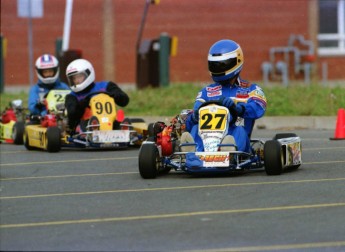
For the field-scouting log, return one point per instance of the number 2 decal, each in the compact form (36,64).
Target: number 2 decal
(59,97)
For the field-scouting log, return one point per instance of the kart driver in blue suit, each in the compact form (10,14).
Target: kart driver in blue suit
(81,78)
(47,70)
(245,101)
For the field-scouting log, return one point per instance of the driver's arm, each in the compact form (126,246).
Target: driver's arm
(121,98)
(74,111)
(256,105)
(34,104)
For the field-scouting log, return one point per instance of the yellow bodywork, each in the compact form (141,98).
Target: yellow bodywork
(36,135)
(103,107)
(140,127)
(7,130)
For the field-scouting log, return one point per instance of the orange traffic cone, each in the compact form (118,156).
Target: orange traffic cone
(339,133)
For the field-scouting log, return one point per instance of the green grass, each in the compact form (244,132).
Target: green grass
(313,100)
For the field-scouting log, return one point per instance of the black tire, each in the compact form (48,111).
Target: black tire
(18,133)
(136,120)
(149,163)
(284,135)
(93,121)
(165,170)
(273,157)
(27,142)
(126,121)
(150,130)
(150,139)
(53,138)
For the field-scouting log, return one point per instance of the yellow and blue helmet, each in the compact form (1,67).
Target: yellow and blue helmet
(225,60)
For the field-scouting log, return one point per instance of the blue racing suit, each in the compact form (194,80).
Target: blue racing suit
(37,94)
(248,95)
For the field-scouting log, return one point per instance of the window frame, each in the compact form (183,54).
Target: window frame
(340,36)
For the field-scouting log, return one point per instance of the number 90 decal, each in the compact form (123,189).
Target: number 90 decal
(103,104)
(101,108)
(213,119)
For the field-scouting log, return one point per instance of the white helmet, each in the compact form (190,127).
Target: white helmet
(80,67)
(47,61)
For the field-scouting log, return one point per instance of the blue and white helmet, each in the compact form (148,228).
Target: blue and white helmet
(47,61)
(225,60)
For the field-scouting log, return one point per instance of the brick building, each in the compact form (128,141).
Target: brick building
(106,32)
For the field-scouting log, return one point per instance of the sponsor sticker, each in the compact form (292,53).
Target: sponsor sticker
(215,93)
(212,89)
(111,136)
(214,159)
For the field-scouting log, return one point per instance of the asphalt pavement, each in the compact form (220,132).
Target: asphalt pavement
(95,200)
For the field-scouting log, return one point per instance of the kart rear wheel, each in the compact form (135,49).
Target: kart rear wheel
(18,132)
(53,139)
(128,122)
(284,135)
(93,123)
(136,120)
(150,130)
(149,161)
(273,157)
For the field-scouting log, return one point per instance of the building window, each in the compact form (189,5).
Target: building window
(331,37)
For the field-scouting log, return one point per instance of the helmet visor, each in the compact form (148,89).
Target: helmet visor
(77,78)
(222,66)
(47,72)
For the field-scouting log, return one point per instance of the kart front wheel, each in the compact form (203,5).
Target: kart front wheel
(18,132)
(53,139)
(273,157)
(149,161)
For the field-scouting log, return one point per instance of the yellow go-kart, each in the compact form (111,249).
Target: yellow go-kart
(102,126)
(48,132)
(12,123)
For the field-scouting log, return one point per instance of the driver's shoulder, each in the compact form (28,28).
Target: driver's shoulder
(102,83)
(247,85)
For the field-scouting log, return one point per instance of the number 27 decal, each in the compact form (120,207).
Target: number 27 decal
(213,120)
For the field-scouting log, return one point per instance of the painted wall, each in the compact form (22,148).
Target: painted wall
(106,31)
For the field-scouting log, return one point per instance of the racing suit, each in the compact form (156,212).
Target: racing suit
(37,94)
(76,103)
(248,95)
